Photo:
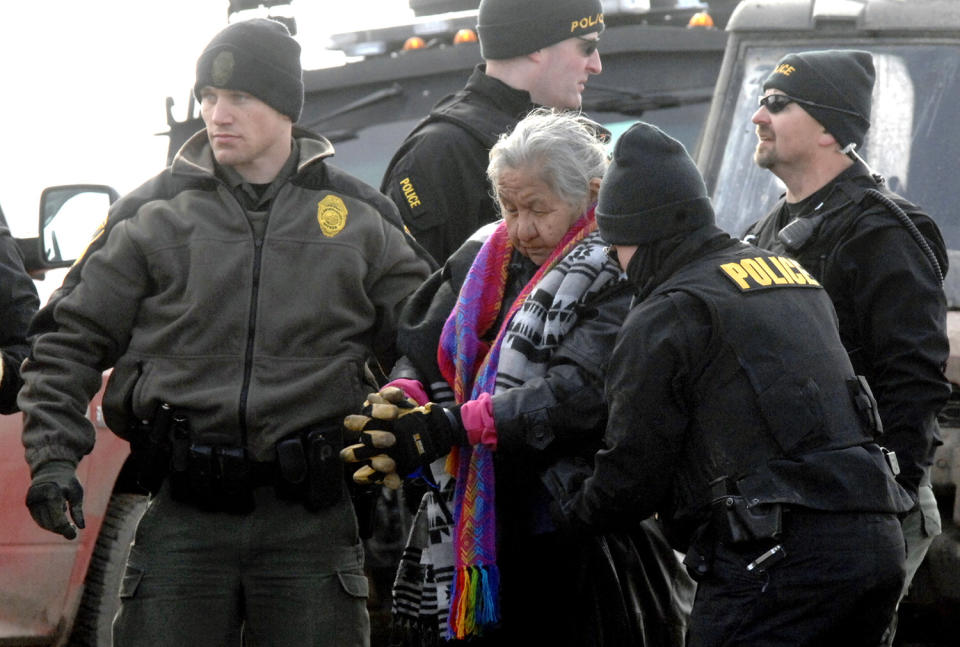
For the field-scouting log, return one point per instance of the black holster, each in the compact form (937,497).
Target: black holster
(737,521)
(310,469)
(151,449)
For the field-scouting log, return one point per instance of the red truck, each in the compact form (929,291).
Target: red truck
(53,590)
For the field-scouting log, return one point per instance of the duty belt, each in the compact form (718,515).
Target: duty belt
(222,478)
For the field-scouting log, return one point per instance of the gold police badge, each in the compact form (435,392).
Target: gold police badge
(332,215)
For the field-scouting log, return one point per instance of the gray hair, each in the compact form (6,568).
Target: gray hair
(561,146)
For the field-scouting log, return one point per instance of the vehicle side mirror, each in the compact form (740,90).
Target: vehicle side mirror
(69,217)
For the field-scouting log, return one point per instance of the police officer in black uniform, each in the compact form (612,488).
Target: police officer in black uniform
(735,414)
(18,303)
(537,52)
(869,248)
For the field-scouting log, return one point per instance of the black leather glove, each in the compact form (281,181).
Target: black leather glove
(54,490)
(412,437)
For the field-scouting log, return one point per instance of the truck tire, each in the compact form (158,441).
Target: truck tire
(93,625)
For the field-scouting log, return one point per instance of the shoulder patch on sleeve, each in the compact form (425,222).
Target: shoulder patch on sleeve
(408,186)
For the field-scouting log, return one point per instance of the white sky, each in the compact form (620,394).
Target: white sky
(83,84)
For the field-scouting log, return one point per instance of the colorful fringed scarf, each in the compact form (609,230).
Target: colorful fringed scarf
(470,365)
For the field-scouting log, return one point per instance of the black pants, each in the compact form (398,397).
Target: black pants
(837,585)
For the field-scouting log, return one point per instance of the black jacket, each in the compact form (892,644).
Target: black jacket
(719,375)
(889,301)
(18,304)
(438,176)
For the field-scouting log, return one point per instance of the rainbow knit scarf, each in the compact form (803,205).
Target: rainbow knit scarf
(470,365)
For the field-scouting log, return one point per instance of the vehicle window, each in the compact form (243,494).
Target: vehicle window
(912,140)
(368,153)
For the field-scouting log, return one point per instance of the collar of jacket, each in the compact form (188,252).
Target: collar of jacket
(653,264)
(195,157)
(509,99)
(849,184)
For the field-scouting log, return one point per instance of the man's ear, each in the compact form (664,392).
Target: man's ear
(594,189)
(827,140)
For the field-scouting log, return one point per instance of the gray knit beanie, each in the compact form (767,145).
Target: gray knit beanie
(651,190)
(511,28)
(258,56)
(840,81)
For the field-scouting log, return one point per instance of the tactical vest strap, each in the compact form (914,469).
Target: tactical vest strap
(485,125)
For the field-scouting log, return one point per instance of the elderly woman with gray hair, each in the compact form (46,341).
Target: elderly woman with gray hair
(505,350)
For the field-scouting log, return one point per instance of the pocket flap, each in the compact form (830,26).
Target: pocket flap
(130,583)
(354,584)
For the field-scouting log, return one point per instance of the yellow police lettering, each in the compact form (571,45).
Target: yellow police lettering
(586,22)
(412,198)
(779,280)
(789,265)
(786,274)
(757,274)
(785,69)
(756,271)
(802,271)
(737,274)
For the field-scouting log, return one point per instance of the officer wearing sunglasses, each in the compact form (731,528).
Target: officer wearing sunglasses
(870,248)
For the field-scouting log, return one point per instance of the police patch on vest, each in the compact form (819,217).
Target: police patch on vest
(764,272)
(332,215)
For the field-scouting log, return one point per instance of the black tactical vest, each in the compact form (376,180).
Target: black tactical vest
(774,400)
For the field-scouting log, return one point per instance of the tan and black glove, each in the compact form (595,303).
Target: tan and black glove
(366,440)
(409,436)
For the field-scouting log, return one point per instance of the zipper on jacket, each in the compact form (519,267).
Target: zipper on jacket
(258,239)
(251,336)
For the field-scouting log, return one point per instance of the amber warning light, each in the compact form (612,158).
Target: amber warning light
(465,36)
(414,42)
(700,19)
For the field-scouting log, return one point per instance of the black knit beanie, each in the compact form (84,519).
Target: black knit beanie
(841,81)
(511,28)
(258,56)
(652,190)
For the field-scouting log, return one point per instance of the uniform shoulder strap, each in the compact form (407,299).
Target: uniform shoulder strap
(485,123)
(897,206)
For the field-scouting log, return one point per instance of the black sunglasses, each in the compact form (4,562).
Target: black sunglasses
(590,47)
(777,102)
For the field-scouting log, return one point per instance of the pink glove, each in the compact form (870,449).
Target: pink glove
(412,388)
(477,417)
